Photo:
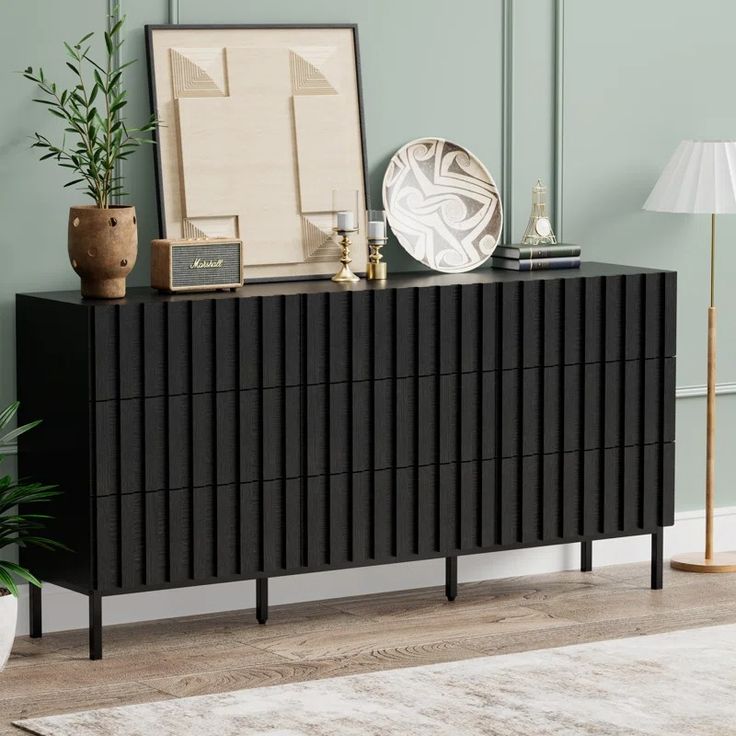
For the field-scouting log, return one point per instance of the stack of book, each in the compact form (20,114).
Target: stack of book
(536,257)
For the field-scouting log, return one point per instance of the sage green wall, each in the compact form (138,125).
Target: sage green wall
(635,77)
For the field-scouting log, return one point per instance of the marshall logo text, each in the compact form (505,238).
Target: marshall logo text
(206,263)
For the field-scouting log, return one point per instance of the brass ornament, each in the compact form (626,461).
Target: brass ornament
(377,269)
(345,275)
(539,229)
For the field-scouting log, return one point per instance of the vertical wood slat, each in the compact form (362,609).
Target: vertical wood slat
(563,500)
(202,339)
(226,345)
(154,349)
(130,351)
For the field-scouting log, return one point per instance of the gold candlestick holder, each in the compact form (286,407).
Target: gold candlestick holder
(345,275)
(377,270)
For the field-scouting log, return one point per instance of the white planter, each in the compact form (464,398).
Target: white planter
(8,620)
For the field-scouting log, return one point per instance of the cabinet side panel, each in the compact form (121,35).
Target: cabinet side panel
(53,367)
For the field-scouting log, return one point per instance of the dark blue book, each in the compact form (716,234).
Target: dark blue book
(534,264)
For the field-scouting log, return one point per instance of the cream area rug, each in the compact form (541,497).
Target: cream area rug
(676,684)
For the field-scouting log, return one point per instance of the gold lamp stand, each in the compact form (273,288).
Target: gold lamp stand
(712,561)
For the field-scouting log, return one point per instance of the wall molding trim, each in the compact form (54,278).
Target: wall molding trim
(115,13)
(173,11)
(559,109)
(64,609)
(507,121)
(689,392)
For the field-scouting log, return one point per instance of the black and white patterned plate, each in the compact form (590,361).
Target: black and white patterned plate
(442,205)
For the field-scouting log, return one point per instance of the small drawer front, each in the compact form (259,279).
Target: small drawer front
(195,440)
(217,344)
(244,530)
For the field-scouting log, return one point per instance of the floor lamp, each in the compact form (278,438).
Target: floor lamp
(700,178)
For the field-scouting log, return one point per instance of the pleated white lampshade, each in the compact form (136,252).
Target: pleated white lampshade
(699,178)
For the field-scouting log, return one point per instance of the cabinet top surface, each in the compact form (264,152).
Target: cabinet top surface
(407,280)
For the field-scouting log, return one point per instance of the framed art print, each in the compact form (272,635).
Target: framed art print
(259,125)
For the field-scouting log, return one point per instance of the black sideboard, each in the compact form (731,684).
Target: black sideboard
(295,427)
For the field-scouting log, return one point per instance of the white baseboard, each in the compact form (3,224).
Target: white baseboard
(66,610)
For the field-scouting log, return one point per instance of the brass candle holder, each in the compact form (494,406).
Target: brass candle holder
(345,275)
(377,270)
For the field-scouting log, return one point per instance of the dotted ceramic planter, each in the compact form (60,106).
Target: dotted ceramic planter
(103,246)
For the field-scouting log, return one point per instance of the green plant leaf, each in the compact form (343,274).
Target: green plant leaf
(98,80)
(6,581)
(10,436)
(21,572)
(114,30)
(72,51)
(8,413)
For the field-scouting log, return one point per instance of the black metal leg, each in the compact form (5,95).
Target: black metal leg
(451,578)
(586,556)
(35,611)
(95,625)
(262,600)
(657,558)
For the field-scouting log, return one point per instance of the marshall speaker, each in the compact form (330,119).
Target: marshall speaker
(197,265)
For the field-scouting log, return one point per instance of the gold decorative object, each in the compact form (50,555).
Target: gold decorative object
(377,270)
(539,229)
(345,275)
(345,207)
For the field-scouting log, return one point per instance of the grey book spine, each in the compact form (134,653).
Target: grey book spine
(526,252)
(534,264)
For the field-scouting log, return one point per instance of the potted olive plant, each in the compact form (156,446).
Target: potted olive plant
(17,529)
(102,237)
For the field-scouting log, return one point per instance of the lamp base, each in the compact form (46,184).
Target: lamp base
(696,562)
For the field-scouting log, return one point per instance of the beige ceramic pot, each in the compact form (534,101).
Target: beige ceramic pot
(103,246)
(8,620)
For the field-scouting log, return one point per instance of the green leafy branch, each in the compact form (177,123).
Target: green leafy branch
(20,529)
(91,112)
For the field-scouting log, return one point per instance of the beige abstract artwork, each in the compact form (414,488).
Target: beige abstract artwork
(261,125)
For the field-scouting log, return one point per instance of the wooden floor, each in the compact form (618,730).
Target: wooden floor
(220,652)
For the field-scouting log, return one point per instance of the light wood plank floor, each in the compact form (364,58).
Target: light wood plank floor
(229,651)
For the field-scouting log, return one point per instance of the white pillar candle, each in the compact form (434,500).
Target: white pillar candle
(376,230)
(345,220)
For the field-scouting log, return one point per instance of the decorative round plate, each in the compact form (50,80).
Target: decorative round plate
(442,205)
